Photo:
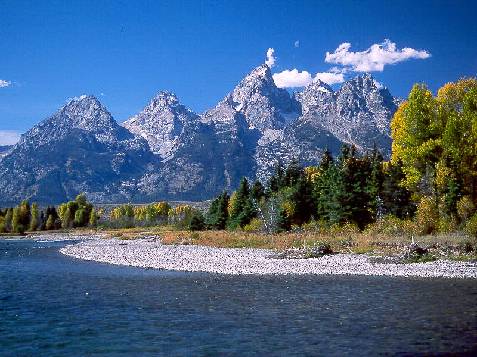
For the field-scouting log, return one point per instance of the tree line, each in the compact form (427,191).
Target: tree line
(431,178)
(351,188)
(26,217)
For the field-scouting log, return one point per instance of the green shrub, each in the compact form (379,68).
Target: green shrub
(447,225)
(197,222)
(391,225)
(471,226)
(255,225)
(465,208)
(344,229)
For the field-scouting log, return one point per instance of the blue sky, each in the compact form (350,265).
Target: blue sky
(126,51)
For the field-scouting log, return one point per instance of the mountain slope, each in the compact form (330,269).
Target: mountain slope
(359,113)
(78,149)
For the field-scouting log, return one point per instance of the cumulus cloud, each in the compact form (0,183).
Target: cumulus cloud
(270,62)
(9,137)
(330,77)
(292,79)
(4,83)
(374,58)
(297,43)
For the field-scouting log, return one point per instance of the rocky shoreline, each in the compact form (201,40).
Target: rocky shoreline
(150,253)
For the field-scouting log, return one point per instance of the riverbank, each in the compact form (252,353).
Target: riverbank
(151,253)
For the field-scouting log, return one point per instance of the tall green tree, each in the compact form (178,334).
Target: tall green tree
(17,226)
(217,214)
(395,196)
(242,210)
(35,218)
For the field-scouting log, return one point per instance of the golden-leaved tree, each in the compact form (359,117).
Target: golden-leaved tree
(435,138)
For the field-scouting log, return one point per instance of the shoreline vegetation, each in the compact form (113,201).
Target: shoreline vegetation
(421,206)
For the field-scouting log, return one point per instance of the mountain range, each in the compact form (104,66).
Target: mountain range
(169,152)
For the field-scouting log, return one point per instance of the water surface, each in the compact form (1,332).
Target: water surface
(54,305)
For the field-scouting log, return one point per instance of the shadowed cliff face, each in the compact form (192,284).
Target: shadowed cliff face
(169,152)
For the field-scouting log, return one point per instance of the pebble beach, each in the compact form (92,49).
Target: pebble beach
(150,253)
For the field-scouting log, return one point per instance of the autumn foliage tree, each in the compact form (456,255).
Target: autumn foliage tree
(435,139)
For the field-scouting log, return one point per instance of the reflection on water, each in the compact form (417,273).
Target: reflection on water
(54,305)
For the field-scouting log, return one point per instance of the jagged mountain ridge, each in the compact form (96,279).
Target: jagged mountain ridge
(169,152)
(80,148)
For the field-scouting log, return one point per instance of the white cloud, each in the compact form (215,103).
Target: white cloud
(270,62)
(374,58)
(292,79)
(330,77)
(297,43)
(4,83)
(9,137)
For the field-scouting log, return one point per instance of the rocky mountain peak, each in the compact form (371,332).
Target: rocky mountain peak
(164,99)
(263,105)
(84,113)
(161,123)
(316,94)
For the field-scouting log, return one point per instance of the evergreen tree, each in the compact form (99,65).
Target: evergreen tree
(42,225)
(283,221)
(24,214)
(242,210)
(293,173)
(302,200)
(277,180)
(396,198)
(218,215)
(257,191)
(197,222)
(375,184)
(326,160)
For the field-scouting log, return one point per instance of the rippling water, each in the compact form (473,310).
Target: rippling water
(54,305)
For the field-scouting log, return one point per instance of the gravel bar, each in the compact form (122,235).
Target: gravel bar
(147,253)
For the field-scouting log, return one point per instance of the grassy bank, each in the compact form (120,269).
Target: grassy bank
(452,246)
(457,245)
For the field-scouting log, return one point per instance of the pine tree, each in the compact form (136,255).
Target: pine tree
(375,184)
(42,225)
(197,222)
(217,214)
(396,198)
(277,180)
(242,210)
(302,199)
(283,221)
(24,214)
(257,191)
(292,174)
